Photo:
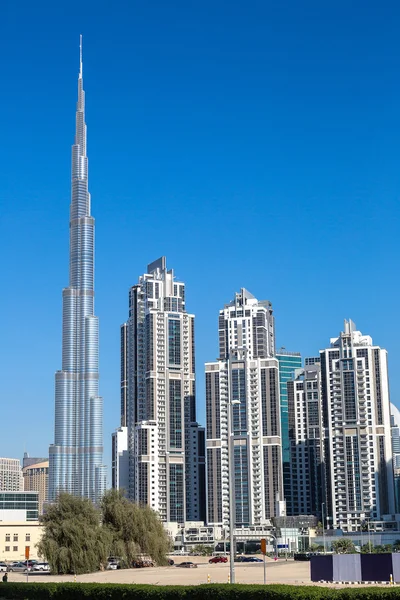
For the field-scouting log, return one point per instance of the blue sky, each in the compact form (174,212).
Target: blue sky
(255,144)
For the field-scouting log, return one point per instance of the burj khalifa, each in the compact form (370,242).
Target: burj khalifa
(76,457)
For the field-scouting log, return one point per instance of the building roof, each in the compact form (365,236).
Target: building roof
(41,465)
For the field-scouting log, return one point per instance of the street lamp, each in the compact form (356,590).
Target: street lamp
(362,521)
(231,479)
(369,535)
(323,526)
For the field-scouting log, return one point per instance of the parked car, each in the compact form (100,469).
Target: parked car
(241,559)
(302,555)
(218,559)
(187,565)
(253,559)
(112,565)
(19,567)
(3,566)
(138,564)
(41,566)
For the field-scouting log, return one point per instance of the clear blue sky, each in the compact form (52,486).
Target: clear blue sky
(255,144)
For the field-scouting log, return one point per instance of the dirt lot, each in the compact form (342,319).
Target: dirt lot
(290,572)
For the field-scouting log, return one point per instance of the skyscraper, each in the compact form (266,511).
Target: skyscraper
(356,416)
(288,363)
(164,438)
(306,442)
(120,460)
(244,383)
(395,426)
(119,437)
(124,374)
(77,453)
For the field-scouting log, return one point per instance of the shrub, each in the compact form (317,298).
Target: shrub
(96,591)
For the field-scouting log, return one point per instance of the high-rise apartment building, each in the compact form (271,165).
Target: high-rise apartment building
(120,460)
(395,427)
(288,363)
(163,435)
(242,396)
(76,456)
(306,437)
(356,415)
(124,374)
(119,438)
(36,479)
(11,475)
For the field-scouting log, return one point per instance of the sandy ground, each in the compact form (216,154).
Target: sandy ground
(290,572)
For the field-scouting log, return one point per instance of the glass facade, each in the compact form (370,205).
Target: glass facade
(241,469)
(288,363)
(174,341)
(175,414)
(176,493)
(28,501)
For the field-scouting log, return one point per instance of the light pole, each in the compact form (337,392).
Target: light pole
(323,526)
(369,537)
(231,479)
(362,521)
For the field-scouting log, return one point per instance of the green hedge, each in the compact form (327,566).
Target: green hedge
(96,591)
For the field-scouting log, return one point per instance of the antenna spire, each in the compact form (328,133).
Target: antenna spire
(80,57)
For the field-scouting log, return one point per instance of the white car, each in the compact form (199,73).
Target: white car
(3,566)
(112,565)
(41,566)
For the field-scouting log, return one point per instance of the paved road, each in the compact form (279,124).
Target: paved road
(291,572)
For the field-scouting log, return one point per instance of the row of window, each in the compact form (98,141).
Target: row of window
(15,537)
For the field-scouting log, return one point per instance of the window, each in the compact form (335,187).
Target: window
(28,537)
(7,549)
(15,537)
(8,537)
(15,548)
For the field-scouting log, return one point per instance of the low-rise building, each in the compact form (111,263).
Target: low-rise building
(288,533)
(19,506)
(15,536)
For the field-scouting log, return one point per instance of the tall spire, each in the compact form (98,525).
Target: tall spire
(80,58)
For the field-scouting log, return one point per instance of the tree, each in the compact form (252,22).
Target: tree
(316,547)
(73,539)
(396,546)
(134,530)
(367,548)
(343,546)
(382,549)
(202,550)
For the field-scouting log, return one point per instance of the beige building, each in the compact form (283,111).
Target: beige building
(10,475)
(36,479)
(15,536)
